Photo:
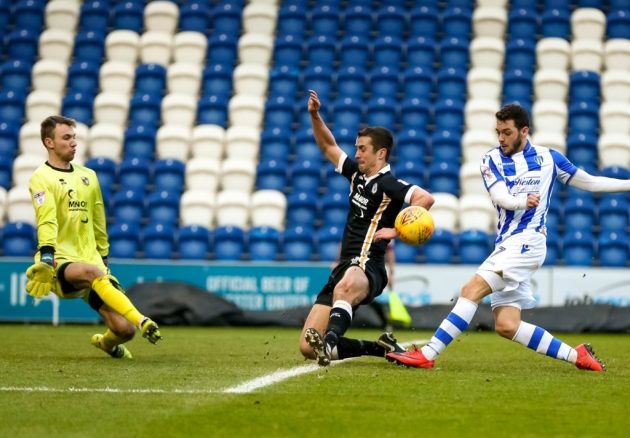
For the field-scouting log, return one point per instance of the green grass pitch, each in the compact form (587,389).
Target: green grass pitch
(55,384)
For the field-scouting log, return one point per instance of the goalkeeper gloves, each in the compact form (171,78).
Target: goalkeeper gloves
(41,280)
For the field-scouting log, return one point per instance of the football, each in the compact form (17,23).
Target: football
(414,225)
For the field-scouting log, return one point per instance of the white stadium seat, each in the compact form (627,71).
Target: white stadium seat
(82,135)
(156,47)
(41,104)
(445,211)
(161,16)
(3,205)
(173,141)
(587,54)
(197,207)
(111,107)
(251,79)
(551,139)
(203,174)
(50,75)
(232,208)
(117,76)
(480,114)
(105,140)
(183,77)
(255,49)
(23,167)
(179,109)
(62,14)
(489,21)
(122,45)
(259,19)
(550,115)
(476,212)
(238,174)
(242,142)
(190,47)
(614,150)
(588,23)
(484,83)
(208,141)
(615,85)
(614,117)
(617,54)
(487,52)
(20,205)
(31,140)
(553,53)
(246,110)
(470,179)
(551,84)
(268,208)
(56,44)
(476,143)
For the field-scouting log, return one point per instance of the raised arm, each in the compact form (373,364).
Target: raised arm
(323,137)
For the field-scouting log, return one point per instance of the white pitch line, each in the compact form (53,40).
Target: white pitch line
(281,375)
(106,390)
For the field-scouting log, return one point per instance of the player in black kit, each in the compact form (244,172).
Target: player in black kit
(376,197)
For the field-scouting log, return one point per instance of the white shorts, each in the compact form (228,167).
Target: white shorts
(515,260)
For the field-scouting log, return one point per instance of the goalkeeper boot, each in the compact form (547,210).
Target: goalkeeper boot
(414,358)
(117,352)
(586,359)
(321,350)
(390,343)
(150,330)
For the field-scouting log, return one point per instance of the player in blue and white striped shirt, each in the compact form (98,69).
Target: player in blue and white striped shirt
(519,177)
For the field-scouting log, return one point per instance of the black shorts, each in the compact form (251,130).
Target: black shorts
(92,298)
(374,270)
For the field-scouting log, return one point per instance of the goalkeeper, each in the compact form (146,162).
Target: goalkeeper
(71,260)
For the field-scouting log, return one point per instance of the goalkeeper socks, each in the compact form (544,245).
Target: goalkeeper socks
(110,340)
(347,347)
(117,300)
(541,341)
(452,326)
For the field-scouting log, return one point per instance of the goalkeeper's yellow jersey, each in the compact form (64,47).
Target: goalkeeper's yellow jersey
(70,213)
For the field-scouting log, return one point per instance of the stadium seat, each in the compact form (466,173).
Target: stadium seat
(445,211)
(292,19)
(588,23)
(414,112)
(484,82)
(457,22)
(202,173)
(56,44)
(233,208)
(357,20)
(268,208)
(89,46)
(278,112)
(78,105)
(334,209)
(392,21)
(305,176)
(351,82)
(411,145)
(446,146)
(615,118)
(551,84)
(421,51)
(441,247)
(162,16)
(19,205)
(105,169)
(384,81)
(553,53)
(553,248)
(275,143)
(476,212)
(158,240)
(156,48)
(615,86)
(555,23)
(3,207)
(424,21)
(517,86)
(520,54)
(454,52)
(197,207)
(476,143)
(212,110)
(229,243)
(168,174)
(578,248)
(145,109)
(418,82)
(129,15)
(584,85)
(522,23)
(298,244)
(618,24)
(614,150)
(259,19)
(163,206)
(49,75)
(111,107)
(328,238)
(264,243)
(346,139)
(382,111)
(616,53)
(489,21)
(217,80)
(105,140)
(320,50)
(29,15)
(9,142)
(40,104)
(406,253)
(354,50)
(613,213)
(139,141)
(555,140)
(387,50)
(480,114)
(613,248)
(135,174)
(15,74)
(23,167)
(444,177)
(582,148)
(194,17)
(579,213)
(242,142)
(474,246)
(179,109)
(6,174)
(18,239)
(193,242)
(347,113)
(83,77)
(22,44)
(302,209)
(587,54)
(451,83)
(255,48)
(239,173)
(94,16)
(335,182)
(318,78)
(449,115)
(227,18)
(283,81)
(412,172)
(124,240)
(549,115)
(30,140)
(584,116)
(128,206)
(470,179)
(487,52)
(246,110)
(287,51)
(184,78)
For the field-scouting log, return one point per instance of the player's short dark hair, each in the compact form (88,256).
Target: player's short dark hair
(381,138)
(513,111)
(47,128)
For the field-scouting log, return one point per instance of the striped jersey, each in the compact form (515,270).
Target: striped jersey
(532,170)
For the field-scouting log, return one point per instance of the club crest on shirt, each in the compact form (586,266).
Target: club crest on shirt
(374,188)
(85,180)
(539,159)
(40,197)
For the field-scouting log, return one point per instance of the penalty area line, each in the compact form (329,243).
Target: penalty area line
(282,375)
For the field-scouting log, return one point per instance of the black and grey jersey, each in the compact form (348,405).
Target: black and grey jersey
(374,204)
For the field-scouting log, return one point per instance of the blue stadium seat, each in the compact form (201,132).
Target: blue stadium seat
(151,79)
(446,146)
(411,145)
(384,81)
(95,16)
(129,15)
(18,239)
(194,17)
(613,213)
(578,248)
(553,248)
(298,243)
(424,21)
(229,243)
(287,50)
(406,253)
(83,77)
(302,209)
(324,20)
(346,139)
(421,51)
(283,80)
(89,46)
(22,44)
(168,174)
(619,172)
(415,112)
(582,148)
(12,107)
(580,213)
(5,15)
(556,23)
(354,50)
(271,175)
(305,176)
(347,113)
(163,206)
(158,240)
(517,85)
(334,209)
(451,83)
(357,20)
(320,50)
(449,115)
(227,18)
(412,172)
(6,173)
(382,111)
(305,147)
(8,142)
(145,109)
(613,248)
(440,248)
(318,78)
(328,240)
(264,244)
(618,23)
(619,4)
(583,116)
(212,110)
(134,174)
(216,79)
(105,171)
(527,4)
(29,14)
(139,142)
(15,74)
(457,22)
(454,52)
(392,21)
(522,23)
(418,82)
(275,143)
(351,82)
(388,50)
(334,181)
(291,19)
(444,177)
(474,247)
(279,112)
(78,105)
(128,206)
(584,86)
(520,54)
(222,49)
(193,242)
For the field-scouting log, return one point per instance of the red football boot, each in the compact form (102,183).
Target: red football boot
(586,359)
(413,358)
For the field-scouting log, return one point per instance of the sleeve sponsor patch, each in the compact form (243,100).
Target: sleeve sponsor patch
(40,197)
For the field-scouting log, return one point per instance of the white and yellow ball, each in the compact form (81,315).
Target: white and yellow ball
(414,225)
